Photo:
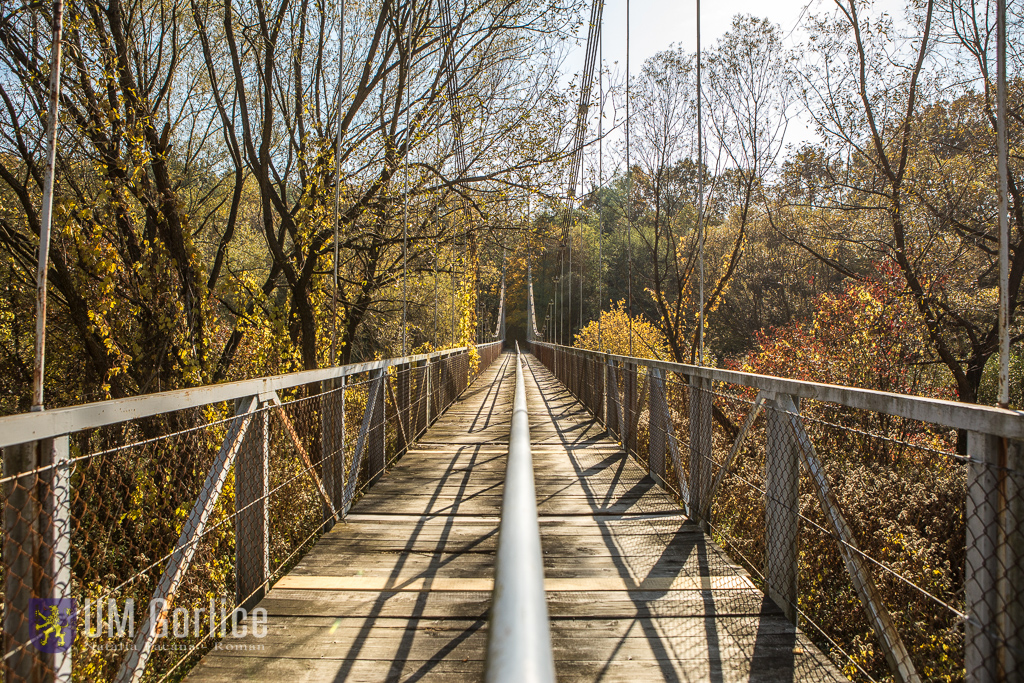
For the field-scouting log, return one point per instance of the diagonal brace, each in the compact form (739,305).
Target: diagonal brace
(737,445)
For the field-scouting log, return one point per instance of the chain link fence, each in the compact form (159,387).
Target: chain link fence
(900,557)
(131,548)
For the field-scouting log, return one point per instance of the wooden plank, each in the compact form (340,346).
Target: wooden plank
(622,669)
(300,639)
(475,604)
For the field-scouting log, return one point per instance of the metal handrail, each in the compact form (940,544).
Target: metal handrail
(519,639)
(26,427)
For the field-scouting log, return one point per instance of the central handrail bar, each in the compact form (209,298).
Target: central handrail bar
(519,638)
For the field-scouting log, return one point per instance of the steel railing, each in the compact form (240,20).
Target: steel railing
(519,639)
(185,498)
(848,497)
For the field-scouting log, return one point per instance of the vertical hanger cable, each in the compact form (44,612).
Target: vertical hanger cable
(600,185)
(629,200)
(337,188)
(405,164)
(700,199)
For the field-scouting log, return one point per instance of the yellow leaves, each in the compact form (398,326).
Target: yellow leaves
(615,330)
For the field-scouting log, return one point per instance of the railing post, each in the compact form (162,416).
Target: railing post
(896,654)
(36,522)
(577,375)
(60,560)
(782,507)
(1011,585)
(629,399)
(700,443)
(438,385)
(134,664)
(252,515)
(614,405)
(448,383)
(431,389)
(657,443)
(375,455)
(993,577)
(422,398)
(403,387)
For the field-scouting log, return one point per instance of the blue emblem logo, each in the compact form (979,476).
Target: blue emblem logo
(53,623)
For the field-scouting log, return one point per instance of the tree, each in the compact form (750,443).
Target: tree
(194,209)
(748,110)
(917,172)
(614,330)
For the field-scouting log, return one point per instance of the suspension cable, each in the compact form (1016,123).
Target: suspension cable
(448,65)
(405,164)
(629,200)
(337,189)
(700,199)
(1004,225)
(46,209)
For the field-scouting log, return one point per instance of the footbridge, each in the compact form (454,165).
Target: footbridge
(481,513)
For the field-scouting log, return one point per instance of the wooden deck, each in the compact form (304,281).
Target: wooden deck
(400,592)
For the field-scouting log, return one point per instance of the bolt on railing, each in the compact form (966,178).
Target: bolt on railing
(519,638)
(850,496)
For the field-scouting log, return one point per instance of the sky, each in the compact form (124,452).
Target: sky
(657,25)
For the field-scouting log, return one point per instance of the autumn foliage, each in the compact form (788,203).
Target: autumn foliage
(866,335)
(612,335)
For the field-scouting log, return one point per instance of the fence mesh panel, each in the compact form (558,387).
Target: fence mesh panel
(200,508)
(896,554)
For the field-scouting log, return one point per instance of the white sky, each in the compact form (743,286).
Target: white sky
(657,25)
